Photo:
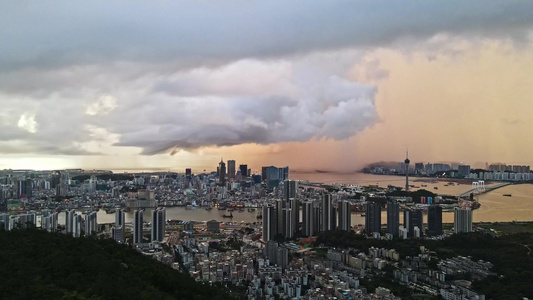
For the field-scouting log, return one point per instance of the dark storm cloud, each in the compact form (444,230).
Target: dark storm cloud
(76,77)
(41,34)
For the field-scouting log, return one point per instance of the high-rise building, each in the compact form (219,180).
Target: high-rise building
(463,170)
(117,234)
(222,173)
(295,218)
(231,168)
(188,172)
(158,224)
(462,220)
(49,221)
(317,221)
(91,223)
(244,170)
(372,218)
(76,225)
(327,212)
(289,189)
(119,230)
(269,222)
(69,220)
(407,161)
(280,205)
(288,229)
(308,217)
(345,216)
(4,221)
(413,218)
(138,226)
(419,168)
(120,217)
(284,173)
(24,188)
(434,220)
(393,218)
(271,252)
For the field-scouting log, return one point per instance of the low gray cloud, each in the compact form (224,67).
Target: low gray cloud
(39,34)
(80,78)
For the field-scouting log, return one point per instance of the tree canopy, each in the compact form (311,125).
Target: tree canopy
(41,265)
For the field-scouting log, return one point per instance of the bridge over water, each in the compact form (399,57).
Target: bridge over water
(485,189)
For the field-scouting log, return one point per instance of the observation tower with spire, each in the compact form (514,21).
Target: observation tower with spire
(407,161)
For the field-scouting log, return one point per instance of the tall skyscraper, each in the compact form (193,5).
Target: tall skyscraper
(158,224)
(244,170)
(463,170)
(288,229)
(4,221)
(231,168)
(222,173)
(295,208)
(289,189)
(284,173)
(327,212)
(49,221)
(345,215)
(317,224)
(91,223)
(393,218)
(120,217)
(280,205)
(188,172)
(76,225)
(462,220)
(308,217)
(434,220)
(413,218)
(69,220)
(119,230)
(407,161)
(269,222)
(372,218)
(138,226)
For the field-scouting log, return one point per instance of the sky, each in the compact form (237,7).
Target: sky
(328,85)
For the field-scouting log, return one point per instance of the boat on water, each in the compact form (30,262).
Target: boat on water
(251,209)
(208,208)
(228,216)
(436,188)
(424,185)
(507,195)
(230,209)
(221,208)
(259,215)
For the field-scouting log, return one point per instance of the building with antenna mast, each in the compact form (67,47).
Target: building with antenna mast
(407,161)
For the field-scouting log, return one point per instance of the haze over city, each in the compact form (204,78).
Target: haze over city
(315,85)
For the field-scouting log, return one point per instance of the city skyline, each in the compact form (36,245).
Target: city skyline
(334,86)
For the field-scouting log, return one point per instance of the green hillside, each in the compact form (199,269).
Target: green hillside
(40,265)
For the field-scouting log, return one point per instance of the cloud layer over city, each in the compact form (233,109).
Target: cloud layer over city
(128,77)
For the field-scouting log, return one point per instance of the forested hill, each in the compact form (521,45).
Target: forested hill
(41,265)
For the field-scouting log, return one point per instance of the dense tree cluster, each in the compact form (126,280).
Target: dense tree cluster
(41,265)
(512,256)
